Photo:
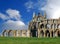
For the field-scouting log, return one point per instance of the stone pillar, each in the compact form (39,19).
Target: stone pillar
(28,33)
(24,33)
(56,34)
(50,34)
(14,32)
(38,33)
(18,33)
(44,34)
(47,34)
(3,33)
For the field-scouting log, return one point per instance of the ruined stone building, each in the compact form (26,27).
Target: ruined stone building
(15,33)
(39,26)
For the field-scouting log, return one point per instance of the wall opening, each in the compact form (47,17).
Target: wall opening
(47,33)
(42,26)
(52,33)
(34,33)
(41,33)
(10,33)
(58,34)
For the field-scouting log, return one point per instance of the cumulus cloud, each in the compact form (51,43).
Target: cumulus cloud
(52,7)
(34,5)
(13,14)
(10,23)
(3,16)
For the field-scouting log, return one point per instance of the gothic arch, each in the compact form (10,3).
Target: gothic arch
(58,33)
(10,33)
(17,33)
(47,33)
(4,33)
(54,26)
(47,26)
(42,26)
(58,26)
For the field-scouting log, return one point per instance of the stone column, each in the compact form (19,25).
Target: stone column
(44,34)
(18,33)
(50,34)
(23,33)
(38,33)
(3,34)
(56,34)
(14,32)
(28,33)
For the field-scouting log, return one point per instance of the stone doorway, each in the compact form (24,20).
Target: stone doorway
(34,33)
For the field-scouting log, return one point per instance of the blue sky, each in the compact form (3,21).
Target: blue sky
(16,14)
(23,8)
(14,4)
(17,5)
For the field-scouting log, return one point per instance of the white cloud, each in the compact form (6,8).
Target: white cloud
(29,4)
(34,5)
(11,24)
(52,8)
(13,14)
(3,16)
(16,22)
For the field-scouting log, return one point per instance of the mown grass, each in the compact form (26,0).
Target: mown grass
(18,40)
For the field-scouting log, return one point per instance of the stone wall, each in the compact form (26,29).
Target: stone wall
(16,33)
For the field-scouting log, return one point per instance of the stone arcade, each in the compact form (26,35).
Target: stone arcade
(39,26)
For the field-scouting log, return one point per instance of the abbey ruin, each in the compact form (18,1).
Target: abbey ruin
(39,26)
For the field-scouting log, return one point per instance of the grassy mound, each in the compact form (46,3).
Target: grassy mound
(18,40)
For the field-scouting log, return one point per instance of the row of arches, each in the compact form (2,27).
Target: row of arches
(15,33)
(48,33)
(48,26)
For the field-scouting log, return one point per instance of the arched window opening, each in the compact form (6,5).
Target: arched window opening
(47,33)
(48,26)
(10,33)
(41,33)
(58,25)
(58,33)
(42,26)
(52,26)
(34,25)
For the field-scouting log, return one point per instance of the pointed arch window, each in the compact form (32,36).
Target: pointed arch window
(58,25)
(48,26)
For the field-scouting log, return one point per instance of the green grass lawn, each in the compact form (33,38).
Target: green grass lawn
(18,40)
